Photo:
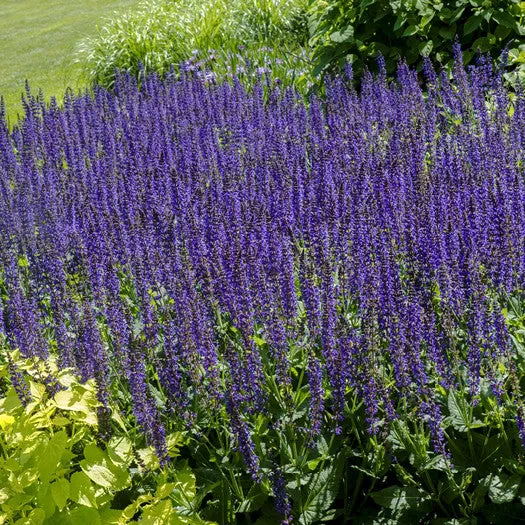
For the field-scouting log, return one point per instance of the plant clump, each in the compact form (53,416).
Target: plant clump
(274,276)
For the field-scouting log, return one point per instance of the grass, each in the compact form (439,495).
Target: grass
(38,42)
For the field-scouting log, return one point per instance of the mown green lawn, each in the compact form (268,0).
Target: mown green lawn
(39,42)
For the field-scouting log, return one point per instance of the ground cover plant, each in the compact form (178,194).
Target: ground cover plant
(52,471)
(38,42)
(326,298)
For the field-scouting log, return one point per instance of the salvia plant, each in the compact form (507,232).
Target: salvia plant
(325,296)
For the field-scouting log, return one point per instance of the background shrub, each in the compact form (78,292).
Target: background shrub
(163,33)
(357,30)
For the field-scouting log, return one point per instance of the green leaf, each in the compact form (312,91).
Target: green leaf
(473,23)
(435,463)
(60,492)
(322,446)
(45,500)
(36,517)
(426,20)
(70,400)
(425,48)
(82,490)
(158,514)
(322,489)
(138,328)
(403,499)
(456,15)
(102,470)
(120,451)
(185,484)
(174,442)
(259,341)
(23,261)
(110,516)
(37,390)
(400,22)
(478,496)
(132,508)
(164,490)
(76,401)
(410,30)
(483,44)
(365,3)
(6,421)
(50,458)
(513,465)
(459,417)
(314,463)
(99,474)
(149,458)
(342,36)
(505,19)
(254,500)
(448,33)
(84,516)
(4,495)
(504,488)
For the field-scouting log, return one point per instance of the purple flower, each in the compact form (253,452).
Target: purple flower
(197,234)
(282,501)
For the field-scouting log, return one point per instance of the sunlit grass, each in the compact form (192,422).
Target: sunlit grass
(38,42)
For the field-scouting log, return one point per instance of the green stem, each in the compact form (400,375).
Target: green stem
(355,492)
(299,384)
(374,481)
(433,490)
(354,425)
(471,444)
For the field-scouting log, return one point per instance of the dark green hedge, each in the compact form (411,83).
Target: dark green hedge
(358,30)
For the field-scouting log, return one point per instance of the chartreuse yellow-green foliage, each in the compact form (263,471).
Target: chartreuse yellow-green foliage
(52,470)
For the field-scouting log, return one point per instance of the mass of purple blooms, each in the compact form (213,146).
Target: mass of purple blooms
(381,230)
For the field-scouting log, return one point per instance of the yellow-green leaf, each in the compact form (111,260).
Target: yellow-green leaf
(60,492)
(101,470)
(158,514)
(52,454)
(164,490)
(132,509)
(6,421)
(82,490)
(148,457)
(69,400)
(84,516)
(120,451)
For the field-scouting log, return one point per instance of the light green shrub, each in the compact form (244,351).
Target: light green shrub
(162,33)
(52,471)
